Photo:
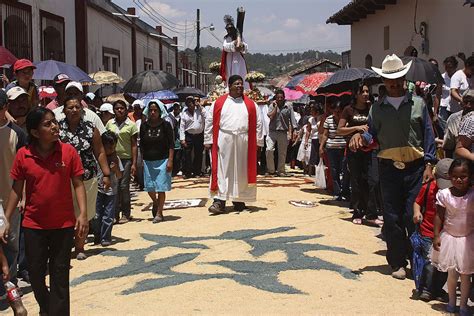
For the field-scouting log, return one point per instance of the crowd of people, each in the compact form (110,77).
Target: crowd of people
(67,165)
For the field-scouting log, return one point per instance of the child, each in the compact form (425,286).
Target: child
(424,211)
(105,207)
(46,168)
(453,245)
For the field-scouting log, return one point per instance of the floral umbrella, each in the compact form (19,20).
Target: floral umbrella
(106,77)
(309,84)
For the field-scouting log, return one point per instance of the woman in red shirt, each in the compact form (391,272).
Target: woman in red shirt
(45,168)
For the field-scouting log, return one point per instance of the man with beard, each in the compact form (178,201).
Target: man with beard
(233,130)
(401,125)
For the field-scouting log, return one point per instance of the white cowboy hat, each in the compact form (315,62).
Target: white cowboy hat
(392,67)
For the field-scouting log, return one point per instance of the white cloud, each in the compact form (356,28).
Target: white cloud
(267,18)
(292,23)
(166,10)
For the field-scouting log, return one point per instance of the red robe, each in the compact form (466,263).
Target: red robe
(252,141)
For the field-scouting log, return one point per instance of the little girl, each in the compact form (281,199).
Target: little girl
(46,168)
(453,244)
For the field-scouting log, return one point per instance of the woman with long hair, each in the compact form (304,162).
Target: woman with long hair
(354,120)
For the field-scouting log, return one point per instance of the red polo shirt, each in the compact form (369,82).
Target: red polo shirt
(48,185)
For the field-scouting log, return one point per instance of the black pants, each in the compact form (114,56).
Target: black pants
(193,154)
(52,247)
(399,191)
(359,176)
(177,161)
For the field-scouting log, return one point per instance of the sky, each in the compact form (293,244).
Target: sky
(271,26)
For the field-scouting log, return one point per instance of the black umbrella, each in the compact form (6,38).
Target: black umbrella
(184,92)
(422,70)
(150,81)
(345,79)
(107,90)
(471,2)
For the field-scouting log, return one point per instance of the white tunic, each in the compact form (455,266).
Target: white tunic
(233,150)
(235,62)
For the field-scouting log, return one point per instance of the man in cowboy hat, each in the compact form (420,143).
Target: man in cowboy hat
(401,125)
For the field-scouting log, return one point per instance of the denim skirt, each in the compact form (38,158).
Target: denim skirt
(156,178)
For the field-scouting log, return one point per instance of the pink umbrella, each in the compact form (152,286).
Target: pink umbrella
(291,95)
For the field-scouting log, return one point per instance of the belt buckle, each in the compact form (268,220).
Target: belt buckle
(399,165)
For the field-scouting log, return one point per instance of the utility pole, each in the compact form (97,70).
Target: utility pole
(198,50)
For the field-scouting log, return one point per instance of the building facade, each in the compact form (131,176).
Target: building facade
(38,30)
(435,28)
(92,34)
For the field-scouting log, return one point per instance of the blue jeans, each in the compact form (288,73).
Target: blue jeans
(339,172)
(399,191)
(105,213)
(432,280)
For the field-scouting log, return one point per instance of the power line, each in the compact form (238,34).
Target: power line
(157,13)
(147,12)
(164,22)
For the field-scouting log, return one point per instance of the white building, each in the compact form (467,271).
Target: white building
(39,30)
(86,33)
(435,28)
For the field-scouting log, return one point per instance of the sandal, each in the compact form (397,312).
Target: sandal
(357,221)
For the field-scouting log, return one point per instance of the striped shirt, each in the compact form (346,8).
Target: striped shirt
(334,141)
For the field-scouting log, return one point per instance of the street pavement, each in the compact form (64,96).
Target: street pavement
(274,258)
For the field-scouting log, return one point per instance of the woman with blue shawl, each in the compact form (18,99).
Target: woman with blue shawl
(157,148)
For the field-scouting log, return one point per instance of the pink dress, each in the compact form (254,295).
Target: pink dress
(457,237)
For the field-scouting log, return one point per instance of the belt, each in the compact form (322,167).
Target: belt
(400,165)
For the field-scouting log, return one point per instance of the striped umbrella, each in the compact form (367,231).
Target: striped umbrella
(294,81)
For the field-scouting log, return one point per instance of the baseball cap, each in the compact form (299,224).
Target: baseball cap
(15,92)
(441,173)
(74,84)
(107,107)
(60,78)
(22,64)
(3,98)
(139,103)
(90,95)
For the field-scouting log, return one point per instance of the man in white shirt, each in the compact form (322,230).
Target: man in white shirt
(450,66)
(461,81)
(191,136)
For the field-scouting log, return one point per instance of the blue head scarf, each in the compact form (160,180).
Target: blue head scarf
(164,112)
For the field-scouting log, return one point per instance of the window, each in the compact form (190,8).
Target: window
(169,68)
(111,59)
(52,36)
(17,29)
(148,64)
(368,61)
(386,37)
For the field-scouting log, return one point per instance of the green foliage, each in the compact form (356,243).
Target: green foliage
(270,65)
